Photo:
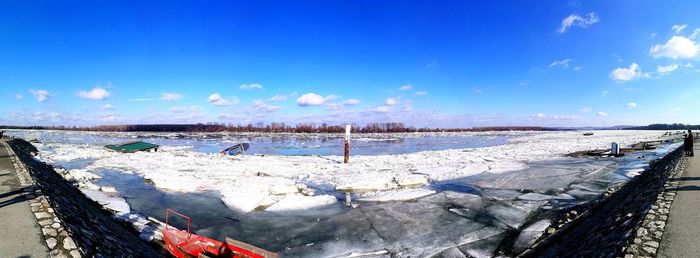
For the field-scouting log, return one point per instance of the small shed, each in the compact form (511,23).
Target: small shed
(133,147)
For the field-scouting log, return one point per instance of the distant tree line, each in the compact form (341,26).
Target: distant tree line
(675,126)
(391,127)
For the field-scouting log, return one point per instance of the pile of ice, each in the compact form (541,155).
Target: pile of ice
(283,183)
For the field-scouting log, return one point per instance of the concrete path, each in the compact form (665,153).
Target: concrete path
(680,239)
(20,235)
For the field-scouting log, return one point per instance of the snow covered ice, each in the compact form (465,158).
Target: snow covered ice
(412,204)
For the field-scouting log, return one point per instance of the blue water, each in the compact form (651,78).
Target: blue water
(288,144)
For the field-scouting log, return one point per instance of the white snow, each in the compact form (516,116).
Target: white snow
(252,181)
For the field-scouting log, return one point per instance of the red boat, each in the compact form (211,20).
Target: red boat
(183,244)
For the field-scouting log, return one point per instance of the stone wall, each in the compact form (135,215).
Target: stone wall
(80,224)
(608,228)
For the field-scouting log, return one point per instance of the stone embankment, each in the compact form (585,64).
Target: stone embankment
(624,222)
(72,224)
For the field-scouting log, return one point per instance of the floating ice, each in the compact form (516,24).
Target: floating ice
(397,195)
(117,204)
(301,202)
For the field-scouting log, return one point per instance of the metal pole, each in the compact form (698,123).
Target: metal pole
(347,144)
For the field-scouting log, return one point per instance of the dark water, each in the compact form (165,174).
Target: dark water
(289,144)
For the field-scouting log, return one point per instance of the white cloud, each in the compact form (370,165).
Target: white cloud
(406,87)
(576,20)
(96,93)
(626,74)
(351,102)
(19,96)
(107,106)
(420,93)
(585,110)
(666,69)
(678,28)
(217,100)
(261,106)
(390,102)
(141,99)
(631,105)
(383,109)
(278,98)
(676,47)
(604,93)
(577,68)
(540,115)
(696,33)
(251,86)
(40,95)
(602,114)
(186,109)
(310,99)
(563,63)
(170,96)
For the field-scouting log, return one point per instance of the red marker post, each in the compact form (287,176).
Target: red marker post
(347,144)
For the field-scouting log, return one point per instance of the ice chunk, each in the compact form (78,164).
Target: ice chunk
(412,180)
(283,189)
(110,202)
(535,197)
(529,235)
(244,201)
(398,195)
(302,202)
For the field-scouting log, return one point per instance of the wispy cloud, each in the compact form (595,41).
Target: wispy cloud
(351,102)
(251,86)
(678,28)
(563,63)
(107,107)
(666,69)
(405,87)
(420,93)
(278,97)
(170,96)
(19,96)
(390,102)
(631,105)
(40,95)
(585,110)
(601,113)
(579,21)
(261,106)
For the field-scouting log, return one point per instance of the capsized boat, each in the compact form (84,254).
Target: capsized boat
(236,149)
(182,244)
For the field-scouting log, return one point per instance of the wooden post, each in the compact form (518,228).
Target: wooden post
(348,200)
(347,144)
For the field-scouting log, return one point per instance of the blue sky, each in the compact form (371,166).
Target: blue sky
(425,63)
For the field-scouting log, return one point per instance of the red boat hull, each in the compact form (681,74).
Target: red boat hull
(183,244)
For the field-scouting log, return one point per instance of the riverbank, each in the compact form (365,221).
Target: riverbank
(77,224)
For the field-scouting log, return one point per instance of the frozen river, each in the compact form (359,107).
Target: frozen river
(278,144)
(490,190)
